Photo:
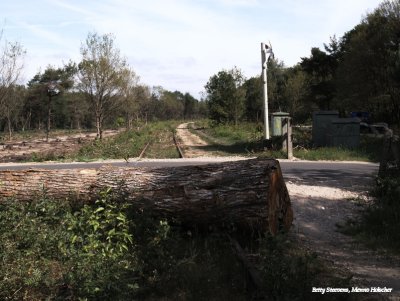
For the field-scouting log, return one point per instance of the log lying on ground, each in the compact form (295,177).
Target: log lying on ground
(249,193)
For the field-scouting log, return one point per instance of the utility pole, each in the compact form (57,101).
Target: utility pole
(266,53)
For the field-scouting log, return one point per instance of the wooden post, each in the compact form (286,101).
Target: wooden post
(385,153)
(289,139)
(287,144)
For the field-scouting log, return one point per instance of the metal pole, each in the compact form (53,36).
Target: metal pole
(265,51)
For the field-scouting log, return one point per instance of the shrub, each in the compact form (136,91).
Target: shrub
(51,250)
(101,260)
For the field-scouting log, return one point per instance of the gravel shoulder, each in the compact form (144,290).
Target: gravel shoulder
(318,210)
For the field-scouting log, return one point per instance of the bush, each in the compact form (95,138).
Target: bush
(101,259)
(379,223)
(62,250)
(29,258)
(51,250)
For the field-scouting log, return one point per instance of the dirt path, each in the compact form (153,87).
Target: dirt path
(192,145)
(318,208)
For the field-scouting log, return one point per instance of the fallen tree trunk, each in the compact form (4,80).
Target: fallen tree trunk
(248,193)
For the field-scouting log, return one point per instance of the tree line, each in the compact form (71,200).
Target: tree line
(359,72)
(101,90)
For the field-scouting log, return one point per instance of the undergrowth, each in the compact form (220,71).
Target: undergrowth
(379,224)
(64,250)
(130,143)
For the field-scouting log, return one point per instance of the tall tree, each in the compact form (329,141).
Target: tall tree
(143,96)
(12,108)
(11,64)
(189,106)
(102,75)
(172,104)
(225,96)
(321,68)
(44,86)
(254,98)
(130,97)
(369,74)
(295,93)
(276,85)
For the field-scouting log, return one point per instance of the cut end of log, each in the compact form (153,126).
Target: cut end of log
(280,213)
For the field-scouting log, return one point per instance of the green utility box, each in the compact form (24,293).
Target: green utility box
(321,124)
(277,121)
(344,132)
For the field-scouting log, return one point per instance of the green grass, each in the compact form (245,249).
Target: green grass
(130,143)
(370,149)
(246,139)
(334,154)
(230,134)
(124,145)
(243,139)
(162,143)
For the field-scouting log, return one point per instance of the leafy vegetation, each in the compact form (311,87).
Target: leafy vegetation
(226,96)
(130,143)
(66,250)
(379,223)
(52,250)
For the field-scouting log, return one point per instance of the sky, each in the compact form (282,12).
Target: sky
(178,44)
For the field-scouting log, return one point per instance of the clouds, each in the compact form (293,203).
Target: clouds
(180,43)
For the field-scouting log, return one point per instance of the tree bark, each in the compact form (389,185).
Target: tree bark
(247,194)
